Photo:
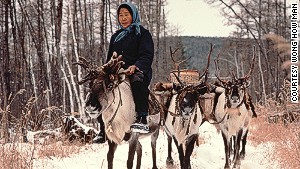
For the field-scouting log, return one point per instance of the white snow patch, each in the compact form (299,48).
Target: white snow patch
(208,155)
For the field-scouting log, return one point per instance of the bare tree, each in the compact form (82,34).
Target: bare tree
(254,23)
(5,69)
(40,39)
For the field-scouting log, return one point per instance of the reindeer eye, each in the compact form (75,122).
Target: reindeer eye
(110,86)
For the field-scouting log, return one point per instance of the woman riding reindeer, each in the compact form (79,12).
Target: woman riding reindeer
(135,44)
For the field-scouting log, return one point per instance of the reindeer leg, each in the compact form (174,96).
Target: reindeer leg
(197,142)
(181,154)
(170,160)
(227,151)
(236,158)
(244,142)
(154,137)
(189,150)
(139,151)
(232,150)
(132,148)
(112,146)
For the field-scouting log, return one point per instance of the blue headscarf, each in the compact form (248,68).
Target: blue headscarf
(136,22)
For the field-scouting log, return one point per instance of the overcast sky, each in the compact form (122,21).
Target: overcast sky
(196,18)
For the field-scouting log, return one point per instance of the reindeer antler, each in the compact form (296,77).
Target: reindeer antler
(83,63)
(112,62)
(218,69)
(233,75)
(205,73)
(177,63)
(178,79)
(93,70)
(252,65)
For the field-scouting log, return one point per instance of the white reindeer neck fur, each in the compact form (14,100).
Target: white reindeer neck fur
(177,129)
(118,111)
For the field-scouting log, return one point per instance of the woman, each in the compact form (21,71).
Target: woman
(135,44)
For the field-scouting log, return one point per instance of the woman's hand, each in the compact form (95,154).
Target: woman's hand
(131,69)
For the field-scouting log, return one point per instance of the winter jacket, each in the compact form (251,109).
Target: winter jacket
(136,50)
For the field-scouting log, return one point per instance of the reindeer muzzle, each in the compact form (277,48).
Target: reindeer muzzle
(235,99)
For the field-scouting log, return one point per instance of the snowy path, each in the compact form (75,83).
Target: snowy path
(209,155)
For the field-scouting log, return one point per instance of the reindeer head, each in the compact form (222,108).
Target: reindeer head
(186,101)
(188,95)
(235,88)
(101,81)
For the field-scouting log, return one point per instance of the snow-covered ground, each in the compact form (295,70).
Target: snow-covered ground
(209,155)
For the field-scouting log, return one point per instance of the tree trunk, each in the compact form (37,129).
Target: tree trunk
(102,32)
(157,54)
(5,72)
(79,95)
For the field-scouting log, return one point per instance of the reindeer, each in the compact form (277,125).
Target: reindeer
(182,122)
(112,88)
(184,116)
(233,102)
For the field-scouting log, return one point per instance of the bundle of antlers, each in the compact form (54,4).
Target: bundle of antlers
(95,71)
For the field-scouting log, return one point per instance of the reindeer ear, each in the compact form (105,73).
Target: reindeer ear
(122,76)
(177,87)
(158,87)
(225,84)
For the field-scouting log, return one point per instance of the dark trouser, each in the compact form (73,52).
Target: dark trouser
(101,135)
(100,120)
(140,91)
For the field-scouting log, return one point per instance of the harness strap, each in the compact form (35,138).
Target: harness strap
(109,125)
(243,101)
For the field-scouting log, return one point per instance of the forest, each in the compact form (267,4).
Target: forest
(41,39)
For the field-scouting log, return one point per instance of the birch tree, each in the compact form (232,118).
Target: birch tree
(5,69)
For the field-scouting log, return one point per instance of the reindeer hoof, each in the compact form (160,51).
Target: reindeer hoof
(170,161)
(242,156)
(236,166)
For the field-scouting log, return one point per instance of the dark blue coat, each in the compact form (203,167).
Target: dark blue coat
(136,50)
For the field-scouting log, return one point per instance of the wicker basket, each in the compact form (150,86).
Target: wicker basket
(186,75)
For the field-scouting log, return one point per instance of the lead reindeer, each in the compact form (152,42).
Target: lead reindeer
(184,116)
(115,102)
(233,102)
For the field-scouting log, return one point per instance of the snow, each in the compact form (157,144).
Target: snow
(210,154)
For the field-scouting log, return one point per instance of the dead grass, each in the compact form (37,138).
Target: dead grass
(10,157)
(22,155)
(15,154)
(285,138)
(58,150)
